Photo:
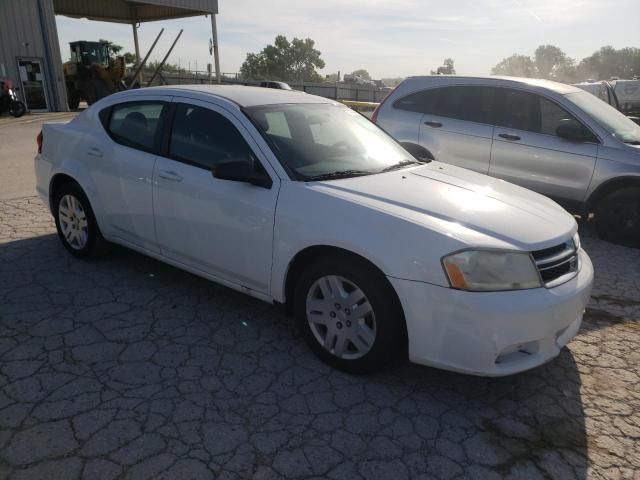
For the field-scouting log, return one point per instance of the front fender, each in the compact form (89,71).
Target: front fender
(399,248)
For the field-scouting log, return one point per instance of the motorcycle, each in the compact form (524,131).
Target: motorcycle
(9,100)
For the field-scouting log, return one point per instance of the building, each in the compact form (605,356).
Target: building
(30,49)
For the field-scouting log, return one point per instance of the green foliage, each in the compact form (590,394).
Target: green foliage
(284,60)
(446,68)
(362,73)
(549,59)
(114,49)
(551,62)
(609,62)
(515,65)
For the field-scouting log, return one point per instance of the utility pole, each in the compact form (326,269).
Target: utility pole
(214,40)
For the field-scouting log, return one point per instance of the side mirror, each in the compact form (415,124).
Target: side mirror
(417,151)
(572,130)
(242,171)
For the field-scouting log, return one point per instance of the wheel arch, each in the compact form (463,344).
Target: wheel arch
(608,187)
(310,254)
(56,182)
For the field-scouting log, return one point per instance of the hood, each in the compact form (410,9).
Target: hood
(471,207)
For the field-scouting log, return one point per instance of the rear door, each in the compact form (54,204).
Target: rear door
(457,125)
(123,168)
(527,151)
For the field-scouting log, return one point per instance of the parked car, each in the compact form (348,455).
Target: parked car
(605,91)
(298,200)
(276,85)
(555,139)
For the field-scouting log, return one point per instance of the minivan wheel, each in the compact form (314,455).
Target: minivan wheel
(76,225)
(349,314)
(617,217)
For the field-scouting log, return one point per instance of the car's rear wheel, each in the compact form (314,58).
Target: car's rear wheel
(349,314)
(76,223)
(617,217)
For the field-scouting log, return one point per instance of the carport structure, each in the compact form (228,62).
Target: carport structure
(30,50)
(136,12)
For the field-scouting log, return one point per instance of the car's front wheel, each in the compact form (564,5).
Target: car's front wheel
(349,314)
(75,222)
(617,217)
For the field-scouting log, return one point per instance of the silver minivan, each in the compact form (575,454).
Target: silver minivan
(552,138)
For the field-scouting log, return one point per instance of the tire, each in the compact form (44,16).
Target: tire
(75,222)
(355,344)
(17,109)
(617,217)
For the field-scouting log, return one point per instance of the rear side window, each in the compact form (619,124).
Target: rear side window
(469,103)
(530,112)
(136,124)
(204,138)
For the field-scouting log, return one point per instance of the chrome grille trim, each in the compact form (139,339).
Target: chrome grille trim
(558,264)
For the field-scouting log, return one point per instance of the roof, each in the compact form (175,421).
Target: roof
(557,87)
(129,11)
(243,95)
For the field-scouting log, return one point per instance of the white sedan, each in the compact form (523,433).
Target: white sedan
(298,200)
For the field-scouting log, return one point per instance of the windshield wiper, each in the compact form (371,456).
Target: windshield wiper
(632,142)
(402,164)
(338,174)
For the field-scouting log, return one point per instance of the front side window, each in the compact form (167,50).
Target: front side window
(608,117)
(136,124)
(204,138)
(313,140)
(530,112)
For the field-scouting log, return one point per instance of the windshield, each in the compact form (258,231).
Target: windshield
(316,140)
(607,116)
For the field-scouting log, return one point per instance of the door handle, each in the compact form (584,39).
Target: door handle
(95,152)
(433,124)
(508,136)
(171,176)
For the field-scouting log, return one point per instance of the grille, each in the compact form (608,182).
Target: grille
(557,264)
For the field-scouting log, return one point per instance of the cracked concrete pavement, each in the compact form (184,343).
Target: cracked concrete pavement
(125,368)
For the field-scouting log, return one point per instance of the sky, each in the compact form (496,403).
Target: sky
(388,38)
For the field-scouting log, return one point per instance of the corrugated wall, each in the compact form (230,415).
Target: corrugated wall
(28,29)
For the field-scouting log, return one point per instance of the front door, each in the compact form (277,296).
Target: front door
(33,87)
(528,152)
(220,227)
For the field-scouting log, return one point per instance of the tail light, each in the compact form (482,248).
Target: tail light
(374,116)
(39,141)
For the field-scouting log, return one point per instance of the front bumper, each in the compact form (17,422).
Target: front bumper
(492,333)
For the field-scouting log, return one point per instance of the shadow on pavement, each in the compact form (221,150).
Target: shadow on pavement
(126,366)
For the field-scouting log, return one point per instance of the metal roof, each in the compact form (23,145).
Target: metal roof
(128,11)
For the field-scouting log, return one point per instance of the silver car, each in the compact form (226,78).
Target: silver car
(550,137)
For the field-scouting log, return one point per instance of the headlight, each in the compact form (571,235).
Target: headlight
(576,241)
(488,270)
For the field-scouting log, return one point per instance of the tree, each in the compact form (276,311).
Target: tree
(113,49)
(446,68)
(550,59)
(609,62)
(362,73)
(284,60)
(516,66)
